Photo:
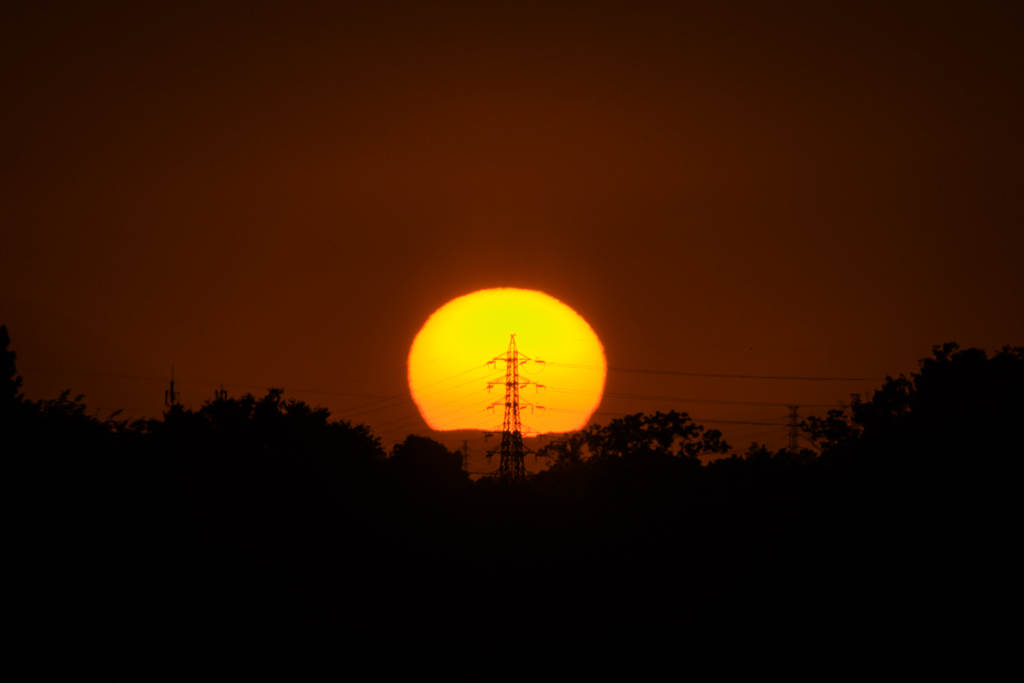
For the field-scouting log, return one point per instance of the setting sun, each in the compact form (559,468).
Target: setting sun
(449,370)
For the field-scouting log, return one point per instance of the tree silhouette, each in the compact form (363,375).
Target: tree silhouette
(266,491)
(10,380)
(834,434)
(427,462)
(960,405)
(639,436)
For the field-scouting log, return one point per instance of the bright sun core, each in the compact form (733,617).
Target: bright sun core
(449,370)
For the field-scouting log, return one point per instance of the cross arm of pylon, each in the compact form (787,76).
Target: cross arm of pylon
(523,383)
(520,359)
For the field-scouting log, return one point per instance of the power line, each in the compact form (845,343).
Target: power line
(420,396)
(643,397)
(408,392)
(720,375)
(188,381)
(417,414)
(450,412)
(362,409)
(441,427)
(408,400)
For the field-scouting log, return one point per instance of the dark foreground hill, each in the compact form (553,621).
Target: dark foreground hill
(260,506)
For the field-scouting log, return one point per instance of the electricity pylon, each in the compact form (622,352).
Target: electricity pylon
(172,397)
(511,465)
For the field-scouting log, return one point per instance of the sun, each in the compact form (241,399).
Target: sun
(449,370)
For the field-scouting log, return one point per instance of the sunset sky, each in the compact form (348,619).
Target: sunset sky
(264,195)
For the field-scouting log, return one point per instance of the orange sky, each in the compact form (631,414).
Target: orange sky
(278,197)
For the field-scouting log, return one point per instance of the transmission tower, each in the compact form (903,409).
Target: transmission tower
(172,397)
(794,429)
(511,465)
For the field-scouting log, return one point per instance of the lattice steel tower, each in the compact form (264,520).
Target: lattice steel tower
(794,429)
(511,466)
(172,397)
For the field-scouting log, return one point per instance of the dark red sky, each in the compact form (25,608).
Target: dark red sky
(271,196)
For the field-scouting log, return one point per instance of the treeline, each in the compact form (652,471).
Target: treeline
(272,495)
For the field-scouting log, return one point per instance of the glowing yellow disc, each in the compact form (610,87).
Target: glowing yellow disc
(449,370)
